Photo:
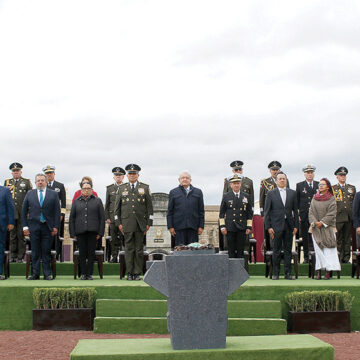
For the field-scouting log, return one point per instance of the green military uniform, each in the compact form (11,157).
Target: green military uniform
(344,197)
(266,185)
(18,189)
(134,212)
(112,191)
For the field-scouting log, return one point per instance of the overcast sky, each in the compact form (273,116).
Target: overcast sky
(173,85)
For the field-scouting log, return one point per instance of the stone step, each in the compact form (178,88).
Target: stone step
(158,308)
(158,325)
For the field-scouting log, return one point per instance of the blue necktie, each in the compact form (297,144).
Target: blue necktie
(42,217)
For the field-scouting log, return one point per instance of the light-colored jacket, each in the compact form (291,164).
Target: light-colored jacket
(325,212)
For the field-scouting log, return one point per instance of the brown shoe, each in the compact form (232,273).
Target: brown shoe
(318,274)
(327,275)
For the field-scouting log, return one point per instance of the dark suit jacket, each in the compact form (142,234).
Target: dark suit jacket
(276,213)
(31,210)
(60,189)
(7,209)
(185,212)
(304,195)
(356,210)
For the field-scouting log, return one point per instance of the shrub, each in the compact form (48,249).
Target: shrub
(64,298)
(322,300)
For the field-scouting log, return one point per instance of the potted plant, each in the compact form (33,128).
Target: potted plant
(63,308)
(319,311)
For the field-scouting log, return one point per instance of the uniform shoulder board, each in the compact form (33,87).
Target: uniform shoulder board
(143,184)
(110,185)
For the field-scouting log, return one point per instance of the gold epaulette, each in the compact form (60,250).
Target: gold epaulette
(268,186)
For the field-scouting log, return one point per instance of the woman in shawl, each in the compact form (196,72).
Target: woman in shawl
(322,219)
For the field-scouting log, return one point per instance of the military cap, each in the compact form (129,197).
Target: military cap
(237,164)
(118,171)
(274,165)
(342,170)
(308,168)
(48,169)
(132,168)
(236,178)
(15,166)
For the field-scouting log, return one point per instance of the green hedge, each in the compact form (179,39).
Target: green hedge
(322,300)
(64,298)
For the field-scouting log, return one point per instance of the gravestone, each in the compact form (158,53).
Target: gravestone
(197,287)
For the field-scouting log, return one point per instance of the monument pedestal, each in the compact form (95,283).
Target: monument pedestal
(279,347)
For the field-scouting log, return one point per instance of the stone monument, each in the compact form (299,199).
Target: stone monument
(197,286)
(158,236)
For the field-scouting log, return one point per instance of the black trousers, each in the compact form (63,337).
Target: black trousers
(304,230)
(87,247)
(41,241)
(282,241)
(186,236)
(343,238)
(236,243)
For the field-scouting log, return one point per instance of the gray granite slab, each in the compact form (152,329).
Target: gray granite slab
(197,296)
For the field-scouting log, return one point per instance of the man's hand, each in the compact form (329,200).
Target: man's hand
(200,231)
(224,231)
(54,232)
(146,230)
(26,232)
(121,229)
(271,232)
(108,221)
(10,227)
(358,230)
(248,231)
(61,217)
(98,236)
(295,231)
(172,231)
(318,224)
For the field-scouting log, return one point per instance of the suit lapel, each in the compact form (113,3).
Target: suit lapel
(277,191)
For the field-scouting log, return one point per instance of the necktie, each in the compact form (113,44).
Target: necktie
(237,195)
(132,187)
(42,217)
(311,186)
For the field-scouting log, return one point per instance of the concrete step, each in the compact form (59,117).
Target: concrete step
(158,308)
(158,325)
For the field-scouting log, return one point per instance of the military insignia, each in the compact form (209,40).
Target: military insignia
(57,189)
(139,199)
(245,200)
(230,203)
(350,191)
(125,193)
(304,191)
(338,195)
(141,191)
(127,199)
(22,184)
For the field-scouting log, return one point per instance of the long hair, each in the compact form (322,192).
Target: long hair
(327,183)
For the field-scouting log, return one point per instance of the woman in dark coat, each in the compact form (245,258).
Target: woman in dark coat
(87,225)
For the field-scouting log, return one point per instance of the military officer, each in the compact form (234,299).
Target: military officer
(49,171)
(246,184)
(18,187)
(133,216)
(305,191)
(112,192)
(236,217)
(265,186)
(344,195)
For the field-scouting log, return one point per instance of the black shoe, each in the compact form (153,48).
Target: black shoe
(49,277)
(306,261)
(13,260)
(33,277)
(129,277)
(2,277)
(113,260)
(137,277)
(275,277)
(89,277)
(83,277)
(288,277)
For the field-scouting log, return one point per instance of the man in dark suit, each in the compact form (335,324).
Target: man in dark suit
(236,217)
(282,223)
(7,221)
(41,221)
(59,187)
(305,191)
(185,215)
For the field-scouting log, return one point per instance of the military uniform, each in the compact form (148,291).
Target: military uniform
(246,186)
(344,197)
(134,211)
(236,216)
(18,189)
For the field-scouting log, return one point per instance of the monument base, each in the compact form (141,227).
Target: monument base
(295,347)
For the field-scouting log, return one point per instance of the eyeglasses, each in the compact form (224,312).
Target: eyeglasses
(322,184)
(86,189)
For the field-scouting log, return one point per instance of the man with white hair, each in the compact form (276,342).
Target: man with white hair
(186,215)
